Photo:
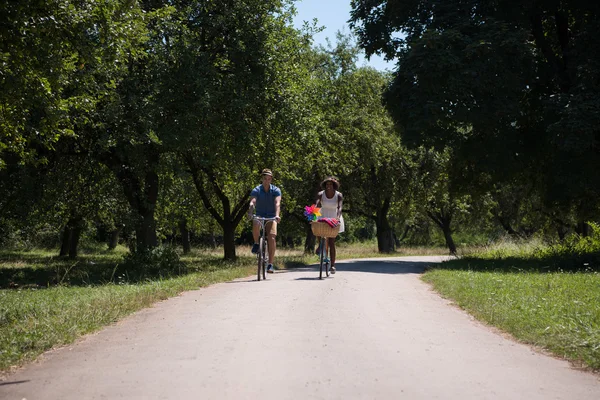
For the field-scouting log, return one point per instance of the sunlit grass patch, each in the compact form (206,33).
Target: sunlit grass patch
(526,293)
(34,320)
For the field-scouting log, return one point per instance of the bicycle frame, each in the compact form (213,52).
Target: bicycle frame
(263,252)
(323,258)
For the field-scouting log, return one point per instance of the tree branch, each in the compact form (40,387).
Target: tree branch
(199,183)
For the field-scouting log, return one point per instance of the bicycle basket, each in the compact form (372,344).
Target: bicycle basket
(322,229)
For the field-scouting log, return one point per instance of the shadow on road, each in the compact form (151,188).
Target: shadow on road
(384,266)
(13,382)
(376,266)
(306,278)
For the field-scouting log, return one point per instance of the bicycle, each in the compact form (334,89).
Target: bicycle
(323,231)
(263,247)
(323,259)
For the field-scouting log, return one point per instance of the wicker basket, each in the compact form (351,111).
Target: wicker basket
(322,229)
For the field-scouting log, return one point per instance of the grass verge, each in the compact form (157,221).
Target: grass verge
(546,307)
(35,320)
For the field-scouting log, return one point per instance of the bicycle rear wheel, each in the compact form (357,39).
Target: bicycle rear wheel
(265,256)
(327,262)
(260,258)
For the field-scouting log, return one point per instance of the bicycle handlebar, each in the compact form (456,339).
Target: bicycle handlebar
(263,218)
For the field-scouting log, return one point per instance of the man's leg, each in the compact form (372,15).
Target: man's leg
(255,235)
(271,238)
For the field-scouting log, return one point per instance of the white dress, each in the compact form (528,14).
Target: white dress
(329,208)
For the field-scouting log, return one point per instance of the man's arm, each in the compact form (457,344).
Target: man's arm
(251,207)
(277,207)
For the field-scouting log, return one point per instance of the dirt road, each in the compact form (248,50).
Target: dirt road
(372,331)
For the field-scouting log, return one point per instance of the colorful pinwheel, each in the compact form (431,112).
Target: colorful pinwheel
(312,213)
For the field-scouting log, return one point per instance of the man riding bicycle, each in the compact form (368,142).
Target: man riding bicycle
(266,200)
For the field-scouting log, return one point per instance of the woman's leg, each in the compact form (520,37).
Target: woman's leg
(332,250)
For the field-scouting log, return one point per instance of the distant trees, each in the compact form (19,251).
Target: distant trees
(513,91)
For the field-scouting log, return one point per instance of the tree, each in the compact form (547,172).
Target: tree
(436,196)
(179,206)
(509,89)
(228,99)
(377,174)
(64,195)
(50,52)
(355,138)
(121,132)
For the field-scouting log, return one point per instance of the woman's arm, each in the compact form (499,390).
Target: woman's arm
(340,203)
(318,200)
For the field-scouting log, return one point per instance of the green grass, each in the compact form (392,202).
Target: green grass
(526,292)
(35,320)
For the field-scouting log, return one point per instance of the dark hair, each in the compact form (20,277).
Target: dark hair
(332,179)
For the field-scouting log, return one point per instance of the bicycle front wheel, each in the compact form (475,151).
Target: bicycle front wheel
(327,263)
(265,256)
(321,257)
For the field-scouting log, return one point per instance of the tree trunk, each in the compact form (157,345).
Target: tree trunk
(75,235)
(70,237)
(506,225)
(385,236)
(290,241)
(141,194)
(114,238)
(310,241)
(229,242)
(145,231)
(562,232)
(66,240)
(232,214)
(582,229)
(443,220)
(449,240)
(185,236)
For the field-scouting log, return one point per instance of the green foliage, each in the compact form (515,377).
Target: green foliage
(575,253)
(508,89)
(158,262)
(58,58)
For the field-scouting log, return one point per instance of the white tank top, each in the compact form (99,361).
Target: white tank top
(329,206)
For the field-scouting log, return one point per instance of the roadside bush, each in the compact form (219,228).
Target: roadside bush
(159,262)
(575,253)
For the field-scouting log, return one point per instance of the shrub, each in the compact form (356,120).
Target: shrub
(575,253)
(159,262)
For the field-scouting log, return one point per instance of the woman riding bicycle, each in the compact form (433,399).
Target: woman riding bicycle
(330,201)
